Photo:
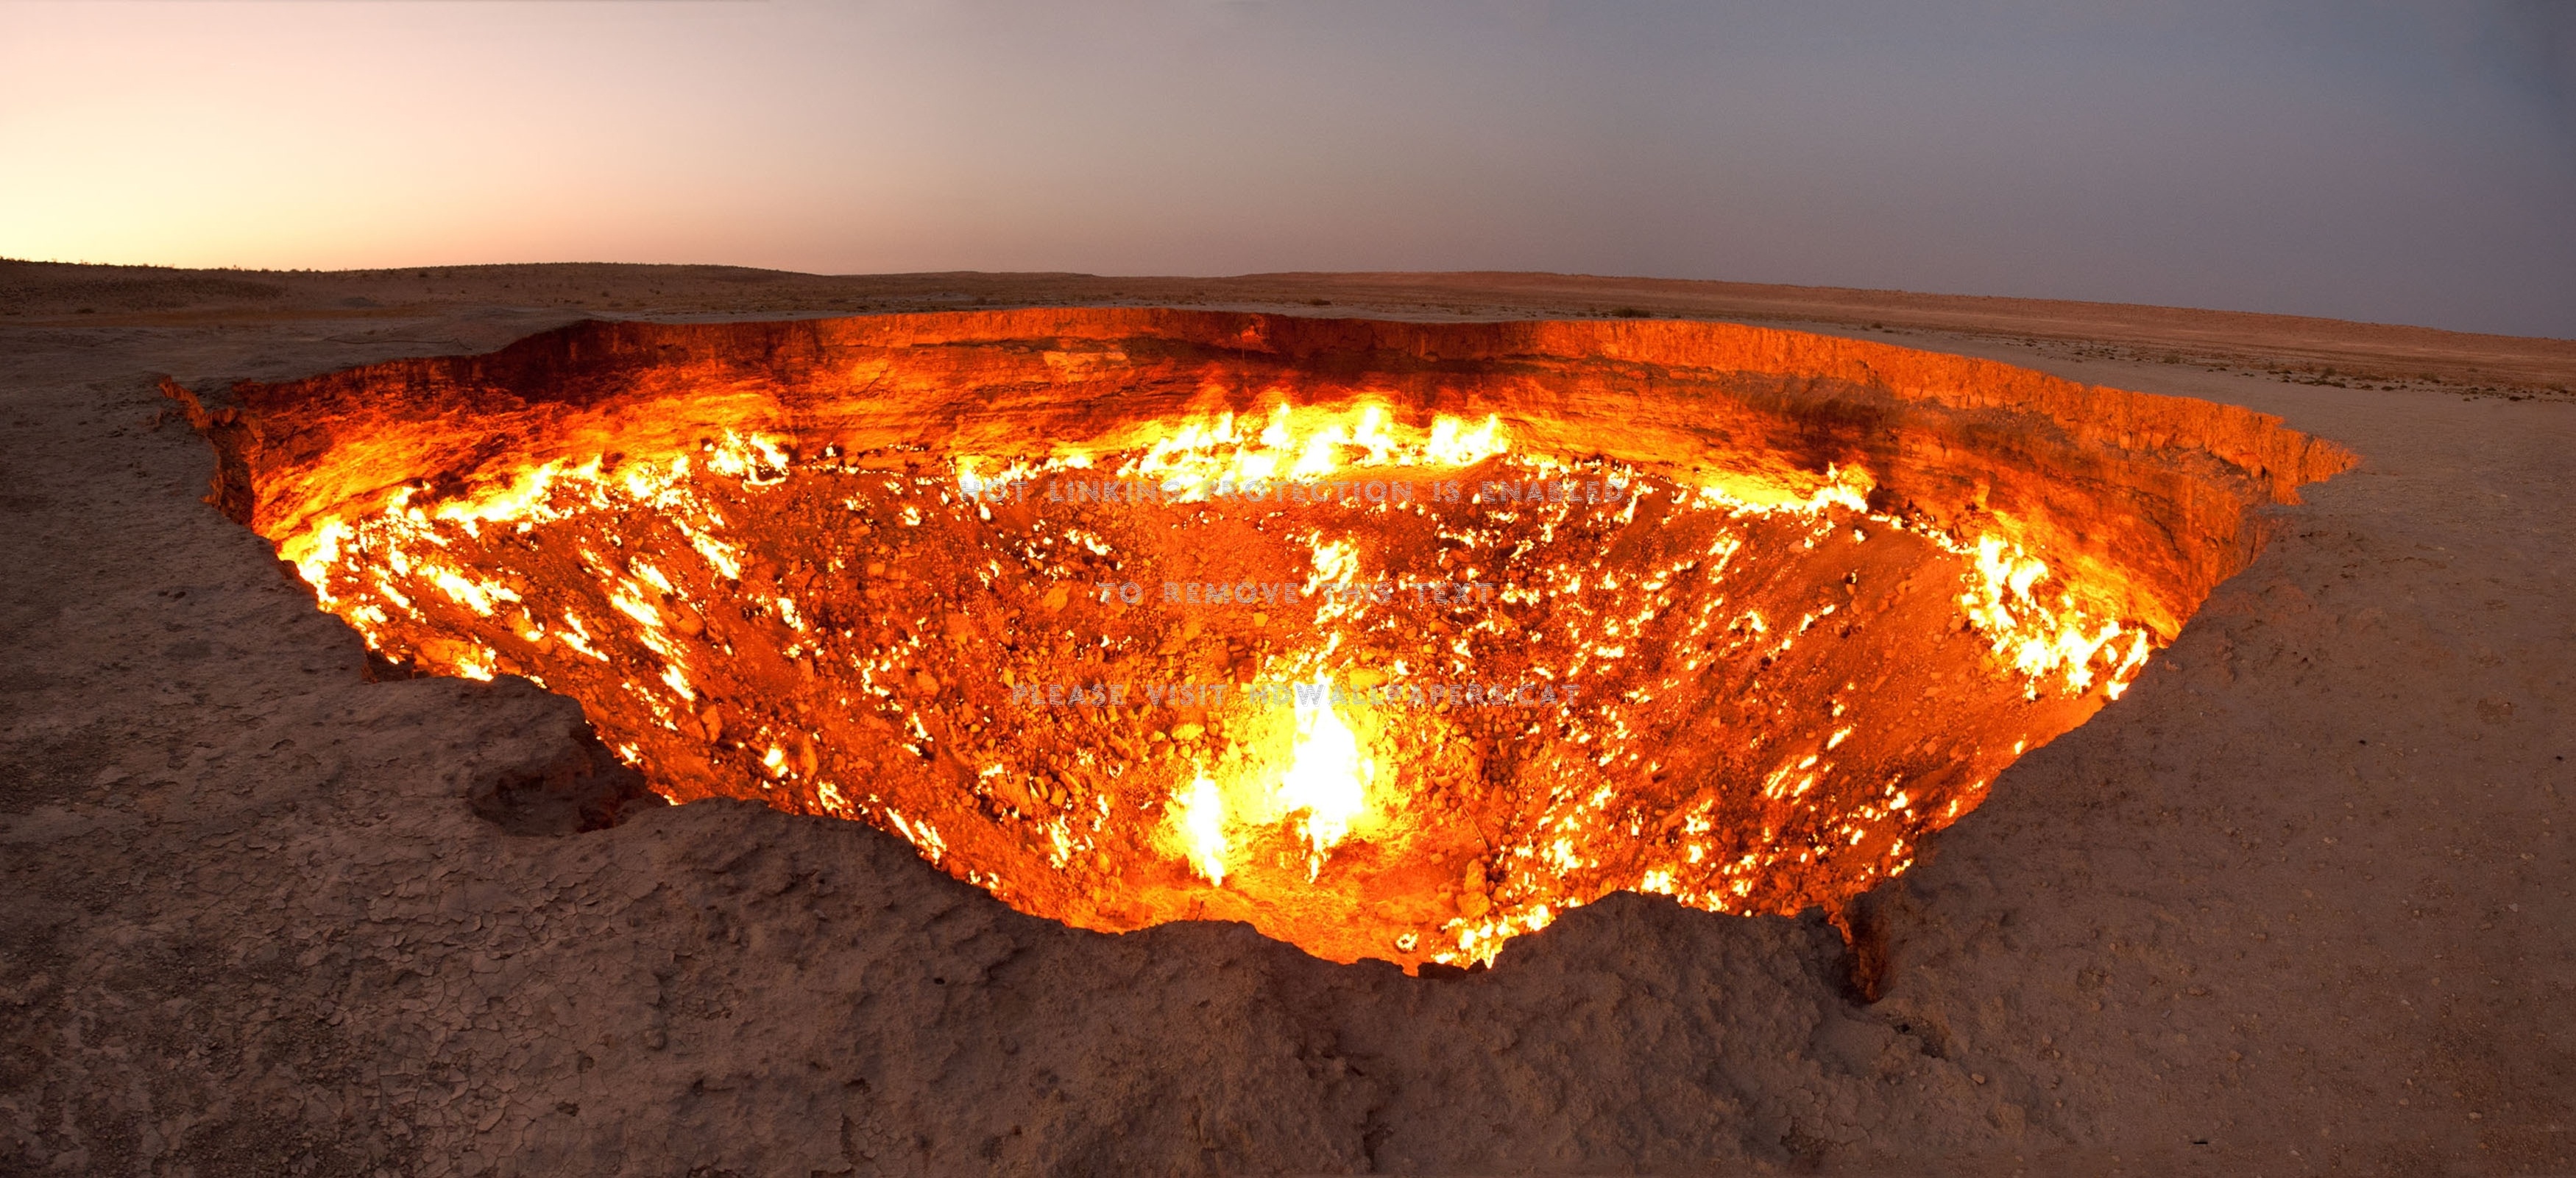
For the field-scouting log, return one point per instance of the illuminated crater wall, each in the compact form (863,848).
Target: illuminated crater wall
(1392,639)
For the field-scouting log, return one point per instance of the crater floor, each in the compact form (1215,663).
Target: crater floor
(2300,901)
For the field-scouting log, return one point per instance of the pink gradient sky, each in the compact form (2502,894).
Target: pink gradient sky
(2391,161)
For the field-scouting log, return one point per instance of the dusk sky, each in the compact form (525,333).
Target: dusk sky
(2401,162)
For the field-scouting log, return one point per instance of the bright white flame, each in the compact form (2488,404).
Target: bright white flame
(1200,813)
(1307,443)
(1329,778)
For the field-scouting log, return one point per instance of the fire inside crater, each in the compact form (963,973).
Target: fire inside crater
(1392,640)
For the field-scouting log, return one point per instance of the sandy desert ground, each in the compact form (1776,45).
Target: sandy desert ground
(2302,902)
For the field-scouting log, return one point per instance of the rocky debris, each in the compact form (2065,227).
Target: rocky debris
(838,662)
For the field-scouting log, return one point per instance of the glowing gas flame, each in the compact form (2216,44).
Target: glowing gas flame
(688,598)
(1329,778)
(2039,637)
(1198,455)
(1199,813)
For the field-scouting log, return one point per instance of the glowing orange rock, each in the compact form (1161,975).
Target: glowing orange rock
(1393,639)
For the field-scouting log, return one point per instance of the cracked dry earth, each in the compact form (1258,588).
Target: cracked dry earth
(2299,903)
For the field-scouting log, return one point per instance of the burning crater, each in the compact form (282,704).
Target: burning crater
(1393,640)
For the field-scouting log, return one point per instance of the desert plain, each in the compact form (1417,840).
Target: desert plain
(2301,901)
